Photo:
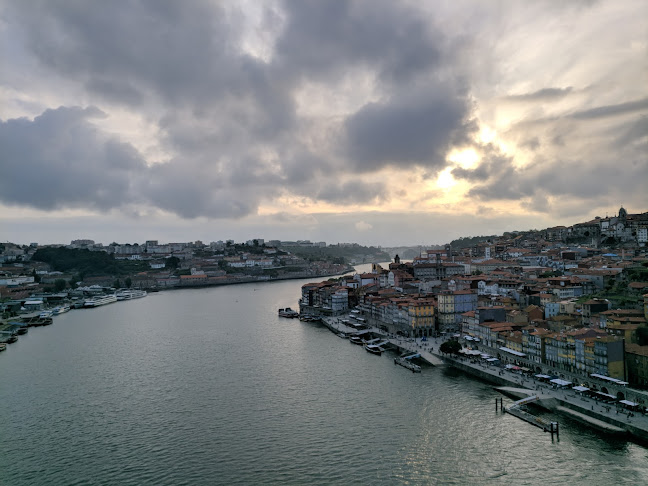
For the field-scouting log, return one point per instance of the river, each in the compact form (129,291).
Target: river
(209,386)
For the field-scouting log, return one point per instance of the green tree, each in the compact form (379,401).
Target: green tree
(172,262)
(59,284)
(450,347)
(128,282)
(37,278)
(117,284)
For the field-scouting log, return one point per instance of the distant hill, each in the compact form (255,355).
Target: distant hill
(468,241)
(84,262)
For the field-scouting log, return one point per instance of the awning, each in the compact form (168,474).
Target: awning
(543,376)
(560,382)
(490,360)
(606,395)
(512,351)
(628,403)
(580,388)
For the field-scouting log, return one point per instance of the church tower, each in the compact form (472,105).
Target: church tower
(623,214)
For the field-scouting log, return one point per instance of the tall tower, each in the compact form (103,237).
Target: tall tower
(623,214)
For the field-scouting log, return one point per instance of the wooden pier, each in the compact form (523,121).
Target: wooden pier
(517,411)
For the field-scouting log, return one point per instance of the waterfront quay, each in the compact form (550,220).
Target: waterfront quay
(607,418)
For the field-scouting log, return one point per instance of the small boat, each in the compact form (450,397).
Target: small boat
(22,330)
(356,340)
(11,339)
(373,349)
(60,309)
(3,346)
(45,314)
(288,312)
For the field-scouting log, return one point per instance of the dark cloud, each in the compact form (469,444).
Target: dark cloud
(545,94)
(408,130)
(612,110)
(353,192)
(61,160)
(327,38)
(587,180)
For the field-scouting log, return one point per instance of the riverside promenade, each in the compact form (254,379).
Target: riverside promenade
(604,417)
(608,418)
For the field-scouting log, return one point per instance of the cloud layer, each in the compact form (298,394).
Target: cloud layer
(229,110)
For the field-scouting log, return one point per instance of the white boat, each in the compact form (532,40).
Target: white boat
(356,340)
(100,300)
(129,294)
(60,309)
(45,314)
(374,349)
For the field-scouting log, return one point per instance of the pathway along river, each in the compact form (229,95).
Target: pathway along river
(209,386)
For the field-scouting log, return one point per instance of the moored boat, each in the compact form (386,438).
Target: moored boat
(373,349)
(60,309)
(288,312)
(100,300)
(129,294)
(356,340)
(45,314)
(3,346)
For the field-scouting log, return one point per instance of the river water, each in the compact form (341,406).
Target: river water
(209,386)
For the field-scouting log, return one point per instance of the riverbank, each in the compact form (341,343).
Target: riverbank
(598,415)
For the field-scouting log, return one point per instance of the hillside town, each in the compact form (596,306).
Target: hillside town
(36,270)
(574,299)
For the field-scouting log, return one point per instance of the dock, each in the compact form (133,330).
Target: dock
(405,362)
(518,412)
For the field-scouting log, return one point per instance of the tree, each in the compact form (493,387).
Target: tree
(59,284)
(128,282)
(117,284)
(172,262)
(450,347)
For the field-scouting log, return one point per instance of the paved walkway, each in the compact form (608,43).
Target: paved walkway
(596,412)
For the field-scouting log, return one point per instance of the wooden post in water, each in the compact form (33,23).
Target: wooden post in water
(554,429)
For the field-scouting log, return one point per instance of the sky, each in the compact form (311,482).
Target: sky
(379,122)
